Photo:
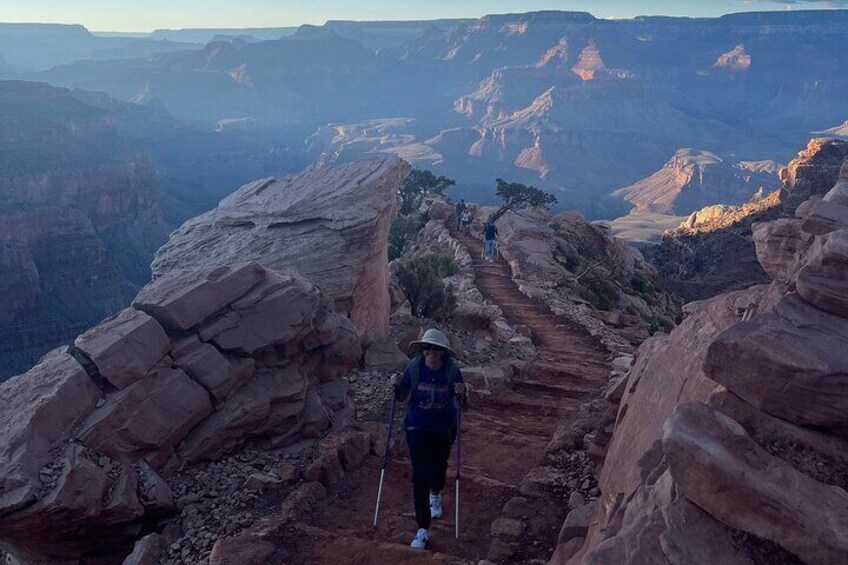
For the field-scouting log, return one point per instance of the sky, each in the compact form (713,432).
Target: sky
(147,15)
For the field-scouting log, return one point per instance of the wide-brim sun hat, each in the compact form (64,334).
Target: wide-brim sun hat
(434,337)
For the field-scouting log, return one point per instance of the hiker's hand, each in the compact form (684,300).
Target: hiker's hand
(395,381)
(459,389)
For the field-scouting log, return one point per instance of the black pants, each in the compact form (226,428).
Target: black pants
(429,451)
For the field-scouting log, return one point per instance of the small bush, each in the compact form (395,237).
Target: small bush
(607,293)
(641,285)
(428,295)
(586,250)
(600,293)
(566,255)
(586,294)
(403,229)
(659,324)
(443,265)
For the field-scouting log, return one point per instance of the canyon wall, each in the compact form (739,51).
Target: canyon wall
(79,219)
(730,439)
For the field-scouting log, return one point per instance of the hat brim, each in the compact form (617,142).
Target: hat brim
(419,343)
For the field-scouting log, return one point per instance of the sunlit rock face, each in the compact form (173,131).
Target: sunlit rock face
(713,250)
(330,223)
(693,179)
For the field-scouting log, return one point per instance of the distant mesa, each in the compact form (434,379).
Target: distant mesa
(628,92)
(694,178)
(840,131)
(736,59)
(205,35)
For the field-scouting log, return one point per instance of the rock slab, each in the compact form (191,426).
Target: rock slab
(330,223)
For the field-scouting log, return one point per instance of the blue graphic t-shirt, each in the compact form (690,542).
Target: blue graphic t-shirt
(432,405)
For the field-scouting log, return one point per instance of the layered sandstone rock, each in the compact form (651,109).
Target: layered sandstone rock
(716,465)
(815,171)
(737,418)
(329,223)
(579,269)
(223,356)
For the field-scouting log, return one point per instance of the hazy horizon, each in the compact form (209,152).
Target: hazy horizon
(129,17)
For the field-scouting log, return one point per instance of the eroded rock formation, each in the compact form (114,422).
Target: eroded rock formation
(693,179)
(713,252)
(580,270)
(207,360)
(730,441)
(329,223)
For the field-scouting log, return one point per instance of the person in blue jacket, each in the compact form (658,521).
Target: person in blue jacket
(433,383)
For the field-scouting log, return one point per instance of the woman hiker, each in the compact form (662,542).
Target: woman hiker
(432,381)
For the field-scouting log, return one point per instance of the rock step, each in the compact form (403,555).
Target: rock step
(553,392)
(340,547)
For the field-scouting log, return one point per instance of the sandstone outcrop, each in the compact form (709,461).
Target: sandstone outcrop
(778,245)
(737,418)
(329,223)
(814,172)
(92,433)
(716,465)
(578,268)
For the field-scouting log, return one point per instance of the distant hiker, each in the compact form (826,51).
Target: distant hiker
(432,381)
(466,221)
(460,208)
(490,233)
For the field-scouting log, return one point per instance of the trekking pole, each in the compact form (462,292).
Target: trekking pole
(458,462)
(385,457)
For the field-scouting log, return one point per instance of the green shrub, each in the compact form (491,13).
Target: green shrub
(586,250)
(641,285)
(443,265)
(600,293)
(566,255)
(586,294)
(419,184)
(659,324)
(403,229)
(606,291)
(428,295)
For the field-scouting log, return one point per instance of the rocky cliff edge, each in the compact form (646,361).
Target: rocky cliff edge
(730,441)
(330,223)
(205,361)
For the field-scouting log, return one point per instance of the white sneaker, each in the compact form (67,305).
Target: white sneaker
(435,505)
(421,540)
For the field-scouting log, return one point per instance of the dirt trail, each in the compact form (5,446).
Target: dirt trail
(503,441)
